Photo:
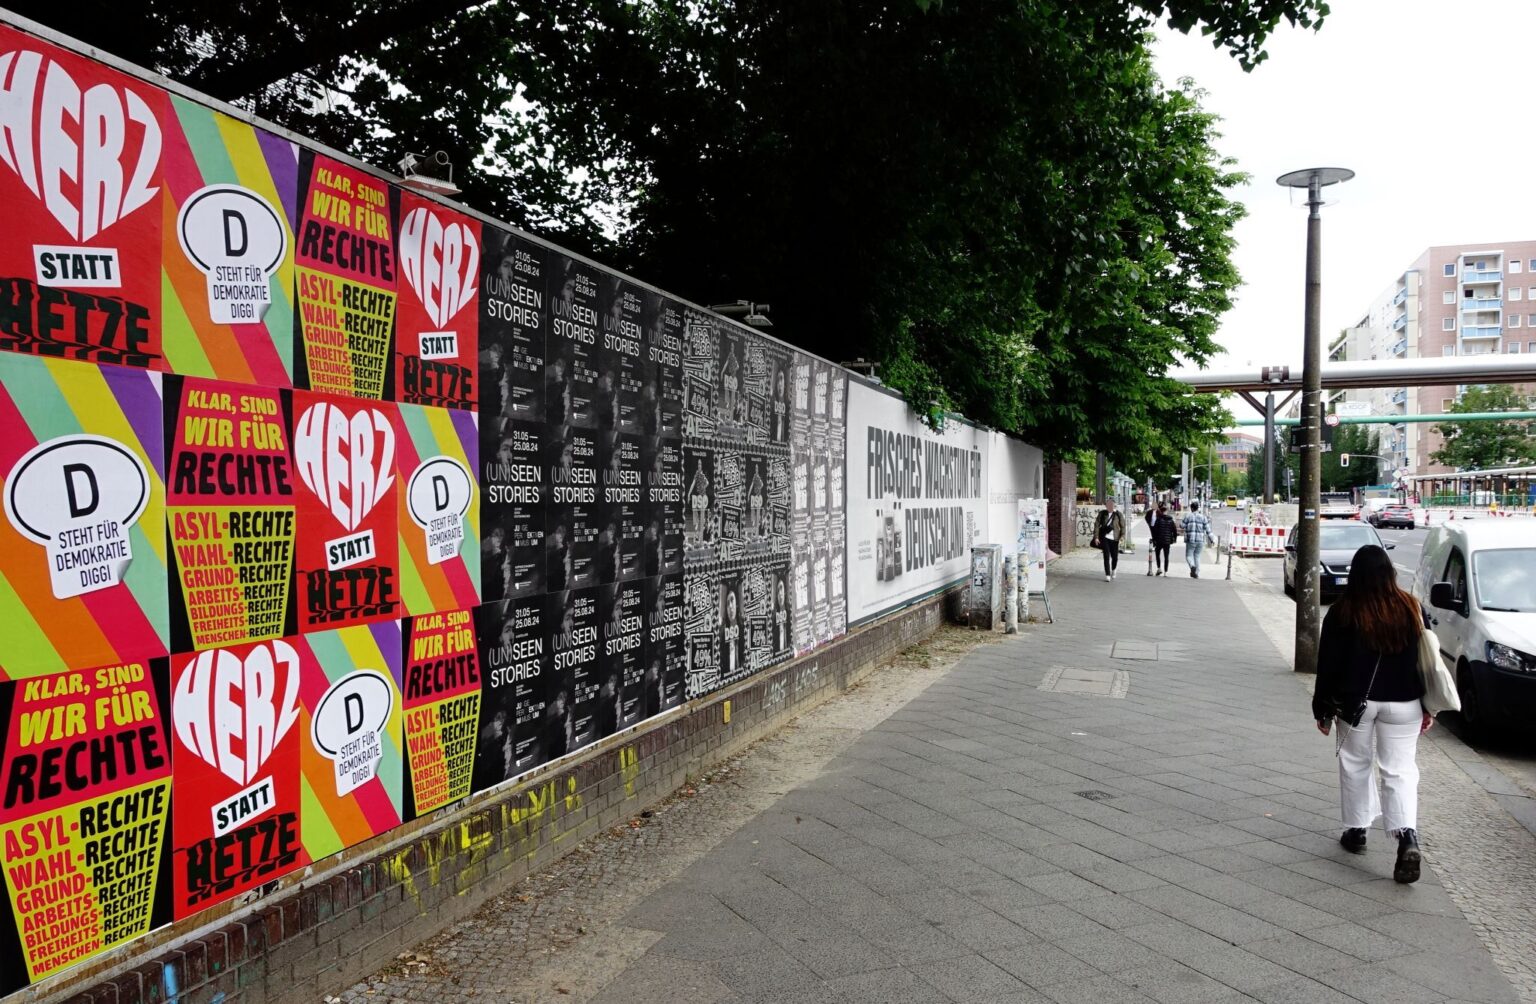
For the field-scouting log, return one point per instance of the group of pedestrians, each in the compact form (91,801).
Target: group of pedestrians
(1109,537)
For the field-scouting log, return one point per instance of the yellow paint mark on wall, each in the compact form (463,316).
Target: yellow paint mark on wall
(629,769)
(727,712)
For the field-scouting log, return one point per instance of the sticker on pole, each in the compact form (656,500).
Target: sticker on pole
(78,496)
(1309,514)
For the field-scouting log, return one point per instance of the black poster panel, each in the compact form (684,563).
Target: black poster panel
(729,515)
(665,658)
(515,680)
(701,632)
(661,395)
(512,323)
(571,345)
(623,508)
(661,547)
(572,514)
(621,689)
(573,616)
(513,486)
(733,628)
(765,615)
(700,529)
(620,356)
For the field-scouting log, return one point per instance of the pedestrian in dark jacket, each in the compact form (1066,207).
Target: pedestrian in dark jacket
(1108,532)
(1368,684)
(1163,532)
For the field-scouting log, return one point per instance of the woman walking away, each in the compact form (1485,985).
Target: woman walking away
(1368,679)
(1164,530)
(1108,531)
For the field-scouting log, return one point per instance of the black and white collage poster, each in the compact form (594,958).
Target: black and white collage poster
(571,349)
(573,618)
(573,515)
(514,492)
(620,356)
(518,691)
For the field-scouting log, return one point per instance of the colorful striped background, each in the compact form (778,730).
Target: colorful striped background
(42,399)
(420,433)
(203,147)
(328,822)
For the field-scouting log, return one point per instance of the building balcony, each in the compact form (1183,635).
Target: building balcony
(1400,323)
(1482,303)
(1481,331)
(1400,347)
(1400,397)
(1402,295)
(1482,275)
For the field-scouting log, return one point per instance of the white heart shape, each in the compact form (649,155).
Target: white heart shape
(72,147)
(441,263)
(234,712)
(346,461)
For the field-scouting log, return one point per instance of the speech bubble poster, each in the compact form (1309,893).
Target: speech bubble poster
(238,724)
(353,760)
(82,549)
(440,693)
(228,248)
(81,177)
(347,277)
(345,453)
(437,320)
(230,512)
(439,503)
(85,815)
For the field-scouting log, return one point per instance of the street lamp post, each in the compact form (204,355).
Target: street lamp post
(1308,612)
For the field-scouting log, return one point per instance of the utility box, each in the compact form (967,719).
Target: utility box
(984,599)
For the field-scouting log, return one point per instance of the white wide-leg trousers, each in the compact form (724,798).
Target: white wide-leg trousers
(1395,727)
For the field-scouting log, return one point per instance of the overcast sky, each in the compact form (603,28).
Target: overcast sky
(1432,103)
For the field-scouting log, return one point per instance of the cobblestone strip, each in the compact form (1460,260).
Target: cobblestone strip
(552,938)
(1484,857)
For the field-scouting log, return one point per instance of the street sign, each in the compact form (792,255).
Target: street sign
(1353,409)
(1331,420)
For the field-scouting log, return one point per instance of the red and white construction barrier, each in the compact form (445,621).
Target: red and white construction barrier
(1246,539)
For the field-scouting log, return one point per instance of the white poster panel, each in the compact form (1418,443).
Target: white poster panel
(917,501)
(1016,471)
(1033,523)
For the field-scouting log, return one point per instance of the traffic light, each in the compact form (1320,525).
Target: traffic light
(1343,460)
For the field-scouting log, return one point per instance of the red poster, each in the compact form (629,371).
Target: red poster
(437,327)
(230,508)
(442,708)
(237,724)
(81,183)
(348,558)
(85,816)
(346,276)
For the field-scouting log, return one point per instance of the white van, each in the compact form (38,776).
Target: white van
(1477,585)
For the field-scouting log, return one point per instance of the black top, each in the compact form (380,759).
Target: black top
(1345,665)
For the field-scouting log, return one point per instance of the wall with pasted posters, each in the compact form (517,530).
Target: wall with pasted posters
(329,505)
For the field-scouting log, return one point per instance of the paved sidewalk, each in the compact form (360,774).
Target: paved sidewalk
(992,841)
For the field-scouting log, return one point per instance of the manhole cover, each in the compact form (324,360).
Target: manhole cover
(1094,796)
(1140,650)
(1096,682)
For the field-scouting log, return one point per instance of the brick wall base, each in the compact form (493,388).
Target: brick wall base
(342,924)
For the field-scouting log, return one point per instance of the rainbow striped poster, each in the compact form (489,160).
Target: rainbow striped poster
(439,497)
(82,546)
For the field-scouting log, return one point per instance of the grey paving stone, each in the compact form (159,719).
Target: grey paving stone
(1042,965)
(884,985)
(968,978)
(1378,984)
(1170,982)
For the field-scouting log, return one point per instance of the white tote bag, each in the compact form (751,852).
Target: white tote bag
(1439,685)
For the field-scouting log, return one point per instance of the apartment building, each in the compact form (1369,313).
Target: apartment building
(1455,300)
(1235,451)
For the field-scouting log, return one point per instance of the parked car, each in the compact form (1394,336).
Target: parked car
(1477,584)
(1231,501)
(1336,549)
(1242,504)
(1394,515)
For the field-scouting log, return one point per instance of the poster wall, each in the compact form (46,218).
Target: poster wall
(917,501)
(441,701)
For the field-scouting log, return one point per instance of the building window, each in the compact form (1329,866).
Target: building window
(1514,292)
(1514,264)
(1514,321)
(1449,350)
(1447,324)
(1514,348)
(1446,404)
(1450,269)
(1449,296)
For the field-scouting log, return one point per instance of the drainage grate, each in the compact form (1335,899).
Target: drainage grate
(1094,796)
(1141,651)
(1072,680)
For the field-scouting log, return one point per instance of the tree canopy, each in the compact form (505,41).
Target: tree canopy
(999,203)
(1476,446)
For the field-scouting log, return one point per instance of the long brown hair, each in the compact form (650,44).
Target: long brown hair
(1384,616)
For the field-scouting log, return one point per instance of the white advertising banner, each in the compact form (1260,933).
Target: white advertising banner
(1015,471)
(917,501)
